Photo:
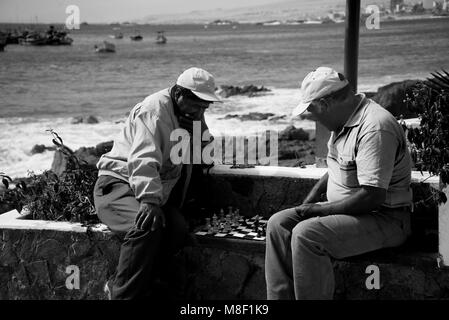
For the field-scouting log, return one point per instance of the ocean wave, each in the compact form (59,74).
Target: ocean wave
(20,134)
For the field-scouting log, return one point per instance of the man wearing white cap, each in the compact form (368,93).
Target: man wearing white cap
(139,191)
(367,187)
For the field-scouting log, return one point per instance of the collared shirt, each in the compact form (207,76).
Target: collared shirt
(370,150)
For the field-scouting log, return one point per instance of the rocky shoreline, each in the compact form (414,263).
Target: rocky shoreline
(295,147)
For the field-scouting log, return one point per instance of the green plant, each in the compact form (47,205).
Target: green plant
(430,142)
(68,197)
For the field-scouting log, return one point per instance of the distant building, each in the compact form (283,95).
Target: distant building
(336,16)
(396,5)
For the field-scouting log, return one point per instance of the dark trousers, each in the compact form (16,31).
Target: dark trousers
(143,253)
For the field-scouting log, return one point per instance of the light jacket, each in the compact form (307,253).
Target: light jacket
(141,151)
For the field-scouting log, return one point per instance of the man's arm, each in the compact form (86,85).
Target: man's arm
(365,200)
(317,190)
(144,163)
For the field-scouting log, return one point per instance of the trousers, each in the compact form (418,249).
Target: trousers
(143,253)
(299,253)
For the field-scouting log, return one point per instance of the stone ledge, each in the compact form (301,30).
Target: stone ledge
(309,172)
(34,254)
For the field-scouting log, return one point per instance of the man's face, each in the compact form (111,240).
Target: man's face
(191,106)
(321,112)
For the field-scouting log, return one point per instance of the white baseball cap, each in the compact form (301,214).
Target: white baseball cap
(200,82)
(317,84)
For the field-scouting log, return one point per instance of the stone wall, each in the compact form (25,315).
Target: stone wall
(33,263)
(34,255)
(33,266)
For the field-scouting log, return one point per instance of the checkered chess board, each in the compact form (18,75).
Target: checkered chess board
(245,229)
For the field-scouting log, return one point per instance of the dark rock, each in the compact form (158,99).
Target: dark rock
(80,119)
(252,116)
(293,133)
(104,147)
(40,148)
(91,155)
(296,149)
(248,90)
(392,97)
(91,120)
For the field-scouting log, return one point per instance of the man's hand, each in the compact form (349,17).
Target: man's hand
(186,122)
(308,210)
(150,217)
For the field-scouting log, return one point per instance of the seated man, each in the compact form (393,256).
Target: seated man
(140,190)
(368,192)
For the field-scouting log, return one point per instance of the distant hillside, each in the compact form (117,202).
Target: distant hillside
(285,10)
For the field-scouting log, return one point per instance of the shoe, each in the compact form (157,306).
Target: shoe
(108,289)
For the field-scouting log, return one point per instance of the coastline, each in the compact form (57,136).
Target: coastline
(22,135)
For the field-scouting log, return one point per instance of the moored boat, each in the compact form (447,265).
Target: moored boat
(107,47)
(161,39)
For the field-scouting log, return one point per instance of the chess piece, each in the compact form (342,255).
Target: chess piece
(215,223)
(256,223)
(209,226)
(228,223)
(222,216)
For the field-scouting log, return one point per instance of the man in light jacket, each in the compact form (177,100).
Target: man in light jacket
(139,191)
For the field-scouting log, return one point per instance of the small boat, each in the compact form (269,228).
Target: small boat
(64,41)
(51,38)
(136,37)
(161,39)
(33,40)
(117,34)
(106,48)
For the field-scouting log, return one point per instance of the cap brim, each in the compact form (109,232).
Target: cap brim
(300,108)
(207,96)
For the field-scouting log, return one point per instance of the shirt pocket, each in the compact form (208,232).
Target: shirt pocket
(348,172)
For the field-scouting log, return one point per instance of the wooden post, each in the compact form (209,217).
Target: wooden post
(351,69)
(352,41)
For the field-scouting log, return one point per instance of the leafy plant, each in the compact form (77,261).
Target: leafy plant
(430,142)
(68,197)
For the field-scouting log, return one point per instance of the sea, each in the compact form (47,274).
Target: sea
(43,88)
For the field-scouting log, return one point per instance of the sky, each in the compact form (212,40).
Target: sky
(106,11)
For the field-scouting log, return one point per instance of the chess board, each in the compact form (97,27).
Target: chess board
(244,230)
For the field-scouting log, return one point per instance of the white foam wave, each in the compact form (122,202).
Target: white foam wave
(19,135)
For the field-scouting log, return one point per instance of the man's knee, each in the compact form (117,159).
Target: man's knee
(281,220)
(309,232)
